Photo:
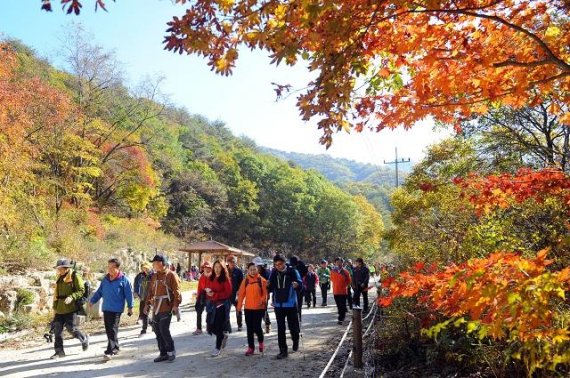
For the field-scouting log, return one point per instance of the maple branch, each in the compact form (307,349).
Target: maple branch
(516,63)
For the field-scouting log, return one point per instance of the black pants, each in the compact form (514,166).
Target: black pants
(199,307)
(239,317)
(65,321)
(356,299)
(253,320)
(292,322)
(349,298)
(267,318)
(161,328)
(219,325)
(143,316)
(311,293)
(111,320)
(324,289)
(300,303)
(341,306)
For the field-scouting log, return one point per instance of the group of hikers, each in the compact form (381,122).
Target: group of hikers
(221,286)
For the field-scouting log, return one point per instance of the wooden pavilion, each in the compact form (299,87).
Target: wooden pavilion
(214,250)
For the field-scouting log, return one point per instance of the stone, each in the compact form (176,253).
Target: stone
(31,308)
(8,300)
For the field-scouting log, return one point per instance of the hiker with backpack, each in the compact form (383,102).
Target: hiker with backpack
(163,298)
(265,273)
(236,276)
(350,269)
(284,283)
(310,282)
(340,278)
(324,274)
(218,292)
(115,290)
(300,267)
(201,296)
(69,289)
(360,284)
(253,290)
(142,280)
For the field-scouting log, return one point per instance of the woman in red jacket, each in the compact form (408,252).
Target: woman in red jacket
(218,291)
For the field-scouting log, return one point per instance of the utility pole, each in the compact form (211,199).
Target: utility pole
(396,162)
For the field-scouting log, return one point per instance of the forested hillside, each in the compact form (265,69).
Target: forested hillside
(89,165)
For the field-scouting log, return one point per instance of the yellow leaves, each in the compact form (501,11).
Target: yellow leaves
(552,32)
(565,119)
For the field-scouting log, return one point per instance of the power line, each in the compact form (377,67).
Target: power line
(397,162)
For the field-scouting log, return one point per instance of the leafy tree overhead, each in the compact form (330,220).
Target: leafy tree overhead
(391,63)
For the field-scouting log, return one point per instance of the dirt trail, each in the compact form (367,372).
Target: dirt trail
(193,353)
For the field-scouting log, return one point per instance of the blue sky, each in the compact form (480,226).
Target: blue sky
(245,101)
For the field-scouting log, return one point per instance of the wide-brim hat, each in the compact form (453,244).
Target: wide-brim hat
(63,263)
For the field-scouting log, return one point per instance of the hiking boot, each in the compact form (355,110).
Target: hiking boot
(249,351)
(224,341)
(295,346)
(281,355)
(161,358)
(215,352)
(170,356)
(85,343)
(57,355)
(197,332)
(261,347)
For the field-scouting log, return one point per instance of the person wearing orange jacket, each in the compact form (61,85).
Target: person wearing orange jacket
(340,279)
(253,290)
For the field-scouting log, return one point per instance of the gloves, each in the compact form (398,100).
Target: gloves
(68,300)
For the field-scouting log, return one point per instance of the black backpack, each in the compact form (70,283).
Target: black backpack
(81,302)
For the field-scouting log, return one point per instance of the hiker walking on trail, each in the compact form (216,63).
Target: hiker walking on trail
(284,284)
(301,268)
(360,284)
(201,296)
(350,269)
(69,289)
(324,274)
(218,292)
(253,290)
(164,298)
(116,290)
(340,278)
(236,277)
(310,282)
(142,280)
(264,272)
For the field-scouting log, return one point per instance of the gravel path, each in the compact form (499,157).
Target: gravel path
(193,353)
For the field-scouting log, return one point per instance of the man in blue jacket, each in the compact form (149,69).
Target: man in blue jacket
(284,283)
(115,289)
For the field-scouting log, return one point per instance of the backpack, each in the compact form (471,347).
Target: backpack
(80,303)
(258,282)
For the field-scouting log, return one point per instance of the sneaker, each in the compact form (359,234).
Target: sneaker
(340,322)
(85,343)
(197,332)
(161,358)
(224,340)
(107,357)
(170,356)
(323,305)
(215,352)
(295,346)
(57,355)
(261,347)
(281,356)
(249,351)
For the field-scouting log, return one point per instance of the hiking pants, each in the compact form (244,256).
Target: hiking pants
(143,316)
(349,297)
(292,322)
(300,303)
(267,318)
(219,325)
(253,320)
(324,289)
(161,327)
(65,321)
(341,306)
(199,310)
(356,299)
(311,293)
(111,320)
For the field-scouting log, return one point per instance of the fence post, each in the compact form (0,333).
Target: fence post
(357,338)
